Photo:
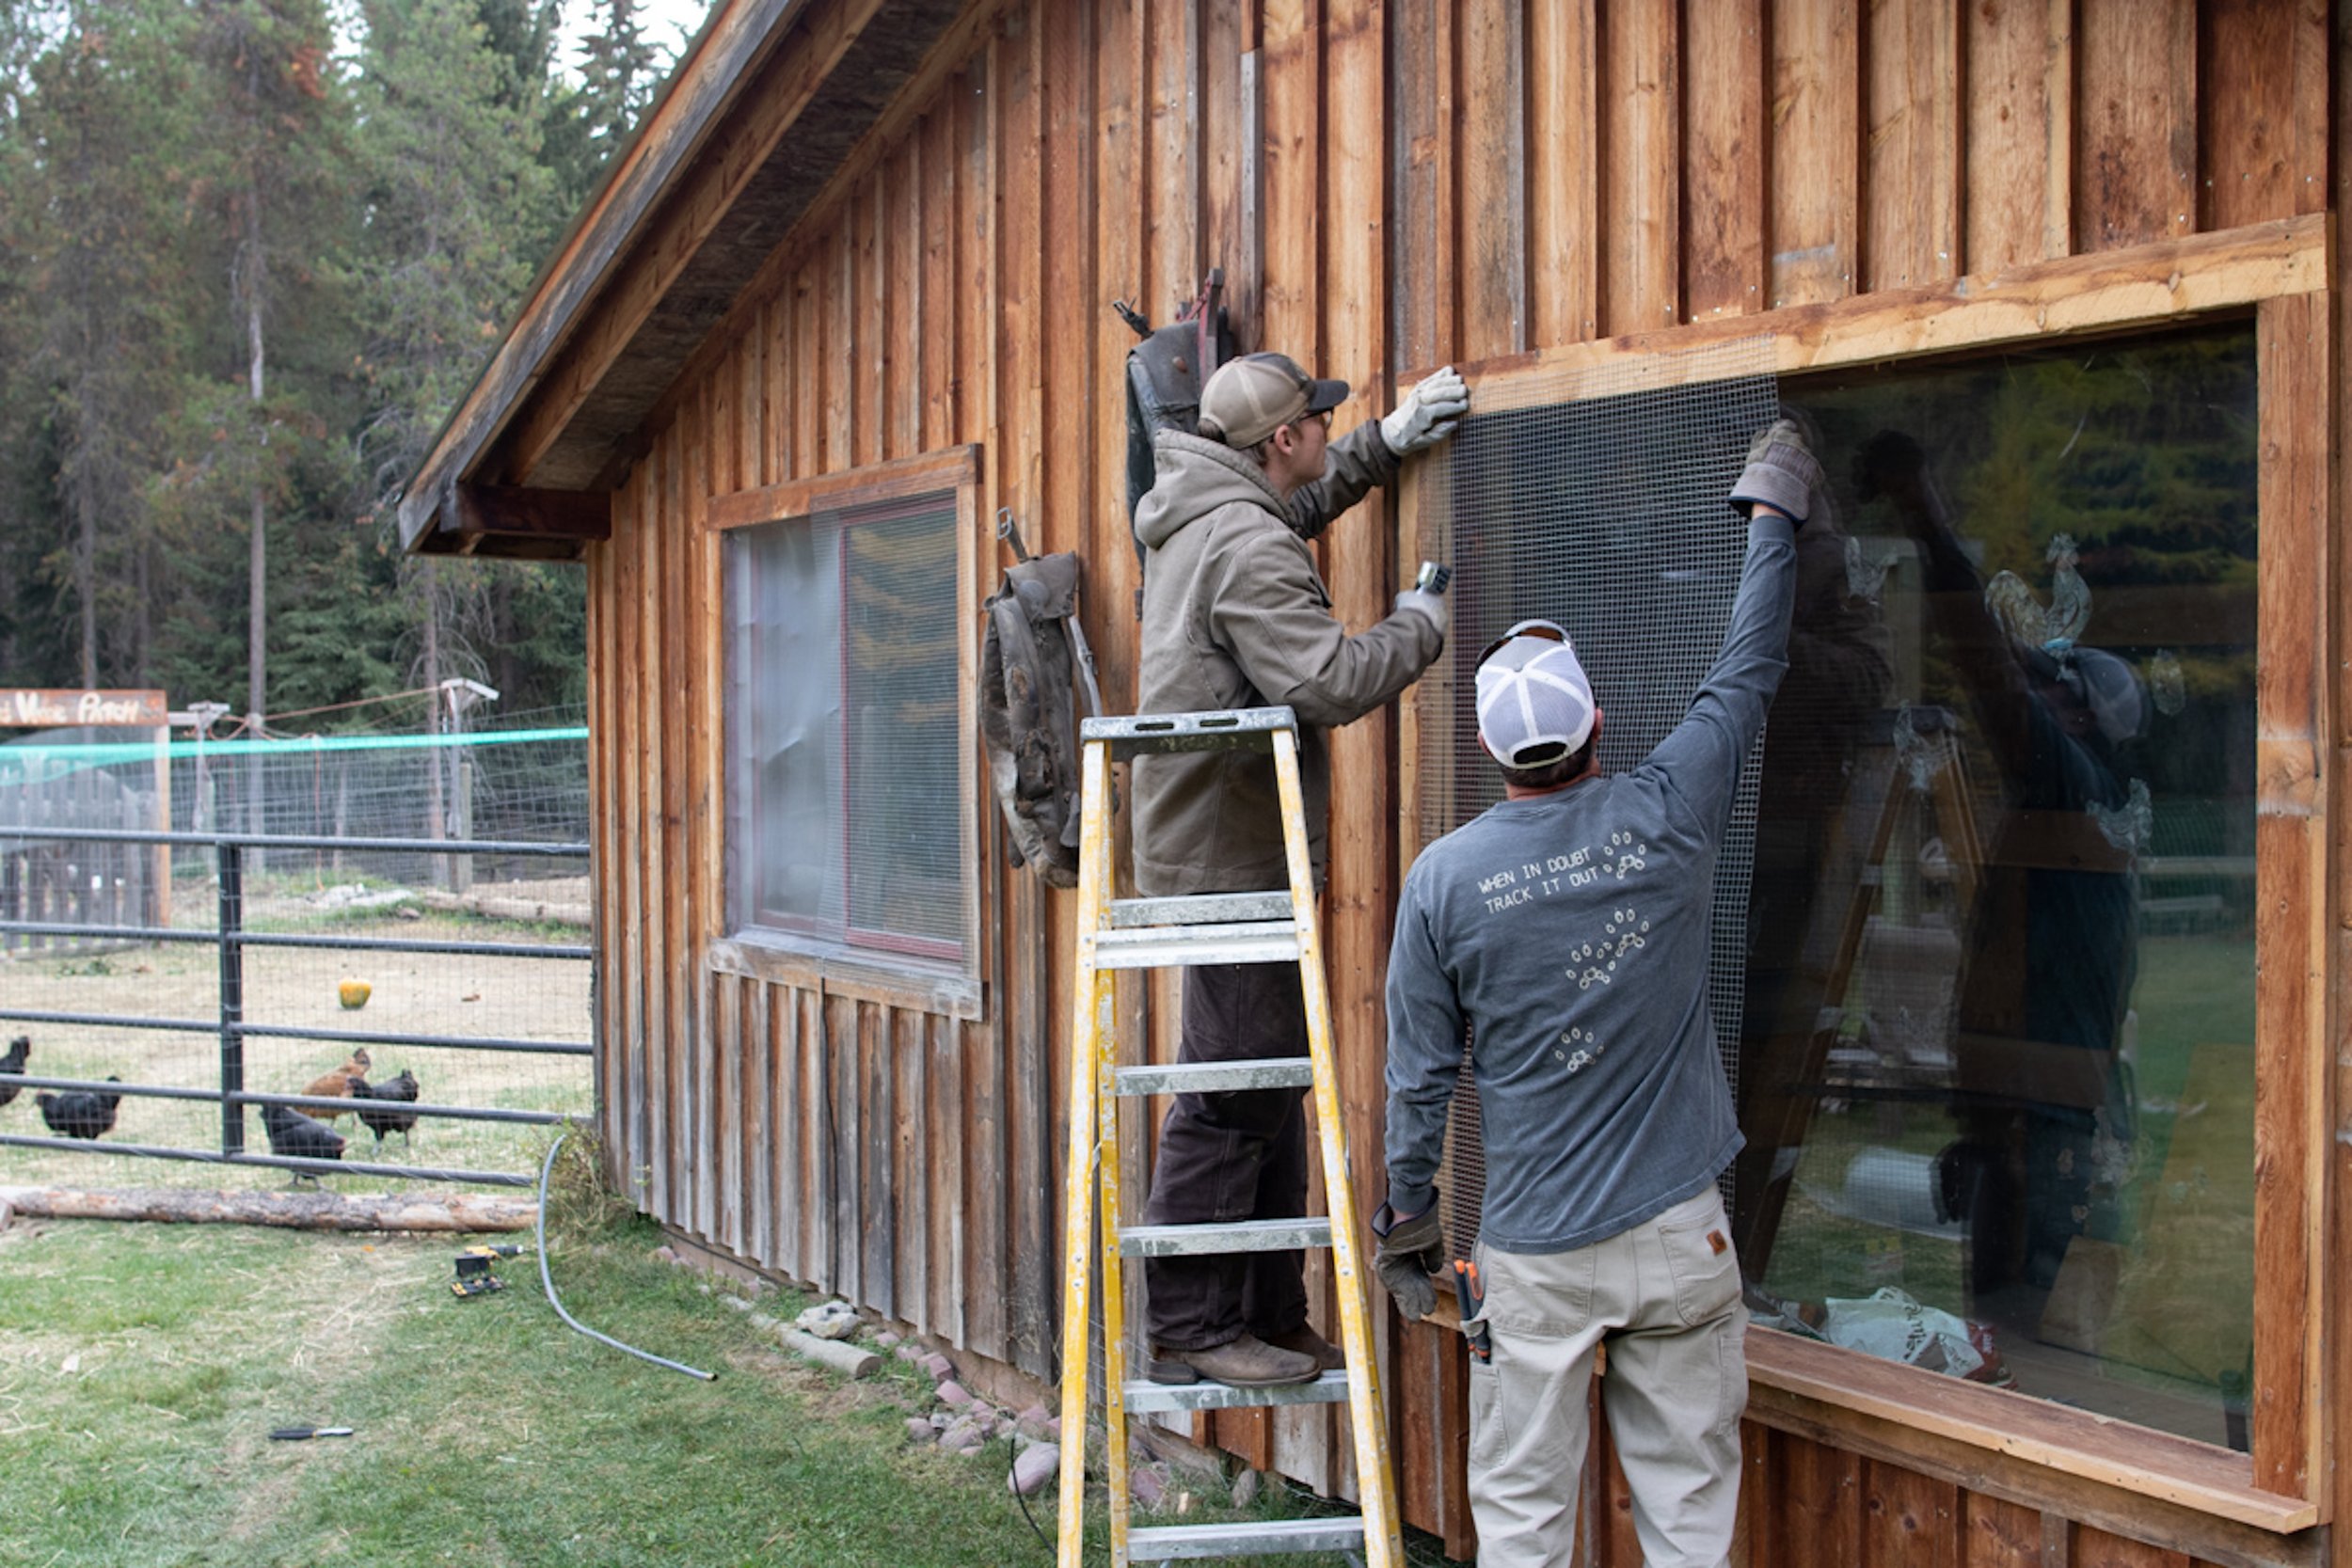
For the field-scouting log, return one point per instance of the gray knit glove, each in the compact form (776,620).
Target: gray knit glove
(1782,472)
(1429,412)
(1410,1251)
(1423,603)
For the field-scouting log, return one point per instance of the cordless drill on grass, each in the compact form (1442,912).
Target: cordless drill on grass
(477,1270)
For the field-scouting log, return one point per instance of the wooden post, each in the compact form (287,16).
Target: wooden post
(156,910)
(461,792)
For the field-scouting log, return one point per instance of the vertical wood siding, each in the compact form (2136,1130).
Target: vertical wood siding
(1388,186)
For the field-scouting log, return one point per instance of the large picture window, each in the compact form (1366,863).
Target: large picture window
(1997,1060)
(1985,923)
(847,819)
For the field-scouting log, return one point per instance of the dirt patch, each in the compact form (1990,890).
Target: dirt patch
(460,996)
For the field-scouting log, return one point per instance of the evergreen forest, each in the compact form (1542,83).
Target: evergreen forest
(252,253)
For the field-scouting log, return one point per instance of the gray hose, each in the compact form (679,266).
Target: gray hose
(547,1284)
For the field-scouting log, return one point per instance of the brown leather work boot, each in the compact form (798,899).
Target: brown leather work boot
(1304,1341)
(1245,1362)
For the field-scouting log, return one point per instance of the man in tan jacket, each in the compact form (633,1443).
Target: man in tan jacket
(1235,616)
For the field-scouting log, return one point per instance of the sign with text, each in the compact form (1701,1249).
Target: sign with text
(33,708)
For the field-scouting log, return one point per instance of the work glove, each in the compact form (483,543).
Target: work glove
(1410,1251)
(1423,602)
(1428,414)
(1782,472)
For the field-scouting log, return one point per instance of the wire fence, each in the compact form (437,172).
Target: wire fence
(526,778)
(214,971)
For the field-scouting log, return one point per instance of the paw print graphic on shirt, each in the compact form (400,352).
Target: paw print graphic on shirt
(1622,855)
(1578,1048)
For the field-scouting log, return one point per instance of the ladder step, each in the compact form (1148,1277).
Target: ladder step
(1249,942)
(1167,1542)
(1180,1240)
(1200,909)
(1136,733)
(1273,1072)
(1144,1397)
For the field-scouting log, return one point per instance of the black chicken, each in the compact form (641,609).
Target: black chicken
(402,1090)
(13,1063)
(295,1136)
(79,1113)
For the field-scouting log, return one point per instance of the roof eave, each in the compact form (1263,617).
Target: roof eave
(689,109)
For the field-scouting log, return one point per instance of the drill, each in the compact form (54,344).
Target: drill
(477,1269)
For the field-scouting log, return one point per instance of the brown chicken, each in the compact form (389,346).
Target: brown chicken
(337,1083)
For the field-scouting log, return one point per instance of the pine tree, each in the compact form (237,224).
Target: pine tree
(457,204)
(241,287)
(620,70)
(101,132)
(281,144)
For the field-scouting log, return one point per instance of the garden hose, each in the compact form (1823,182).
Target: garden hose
(545,1170)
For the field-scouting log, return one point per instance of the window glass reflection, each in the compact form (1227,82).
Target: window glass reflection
(1996,1054)
(845,812)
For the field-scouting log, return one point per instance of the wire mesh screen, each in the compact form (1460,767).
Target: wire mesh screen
(1594,498)
(464,976)
(508,776)
(845,803)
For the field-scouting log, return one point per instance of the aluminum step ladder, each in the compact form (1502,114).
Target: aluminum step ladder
(1161,933)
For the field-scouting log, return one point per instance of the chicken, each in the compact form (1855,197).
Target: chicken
(2057,626)
(13,1062)
(337,1083)
(2129,826)
(295,1136)
(402,1090)
(79,1113)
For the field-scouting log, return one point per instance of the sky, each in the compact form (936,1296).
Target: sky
(669,23)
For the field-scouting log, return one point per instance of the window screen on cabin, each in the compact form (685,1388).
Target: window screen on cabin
(1988,996)
(1593,497)
(845,811)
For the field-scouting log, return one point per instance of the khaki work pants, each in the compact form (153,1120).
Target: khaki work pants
(1664,1296)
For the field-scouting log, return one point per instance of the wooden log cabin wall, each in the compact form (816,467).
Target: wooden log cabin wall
(921,307)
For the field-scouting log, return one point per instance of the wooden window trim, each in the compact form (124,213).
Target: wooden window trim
(2109,1475)
(755,956)
(2106,290)
(870,975)
(955,469)
(1804,1384)
(2279,271)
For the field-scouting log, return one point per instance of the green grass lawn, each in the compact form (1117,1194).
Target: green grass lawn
(142,1368)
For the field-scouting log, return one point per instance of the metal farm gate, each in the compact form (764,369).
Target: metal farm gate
(188,1021)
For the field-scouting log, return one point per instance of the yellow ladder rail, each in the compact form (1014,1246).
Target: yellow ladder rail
(1157,933)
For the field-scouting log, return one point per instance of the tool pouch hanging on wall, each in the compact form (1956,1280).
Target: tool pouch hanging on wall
(1164,374)
(1027,664)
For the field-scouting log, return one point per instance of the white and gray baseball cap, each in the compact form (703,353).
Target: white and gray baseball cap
(2109,687)
(1535,700)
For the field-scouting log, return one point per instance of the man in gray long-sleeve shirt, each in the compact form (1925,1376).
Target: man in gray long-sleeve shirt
(1567,929)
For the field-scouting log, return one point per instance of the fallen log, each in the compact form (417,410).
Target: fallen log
(491,905)
(422,1211)
(847,1359)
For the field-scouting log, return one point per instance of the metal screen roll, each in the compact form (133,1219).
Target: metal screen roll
(1594,496)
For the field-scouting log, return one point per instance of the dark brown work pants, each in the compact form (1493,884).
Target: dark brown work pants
(1229,1157)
